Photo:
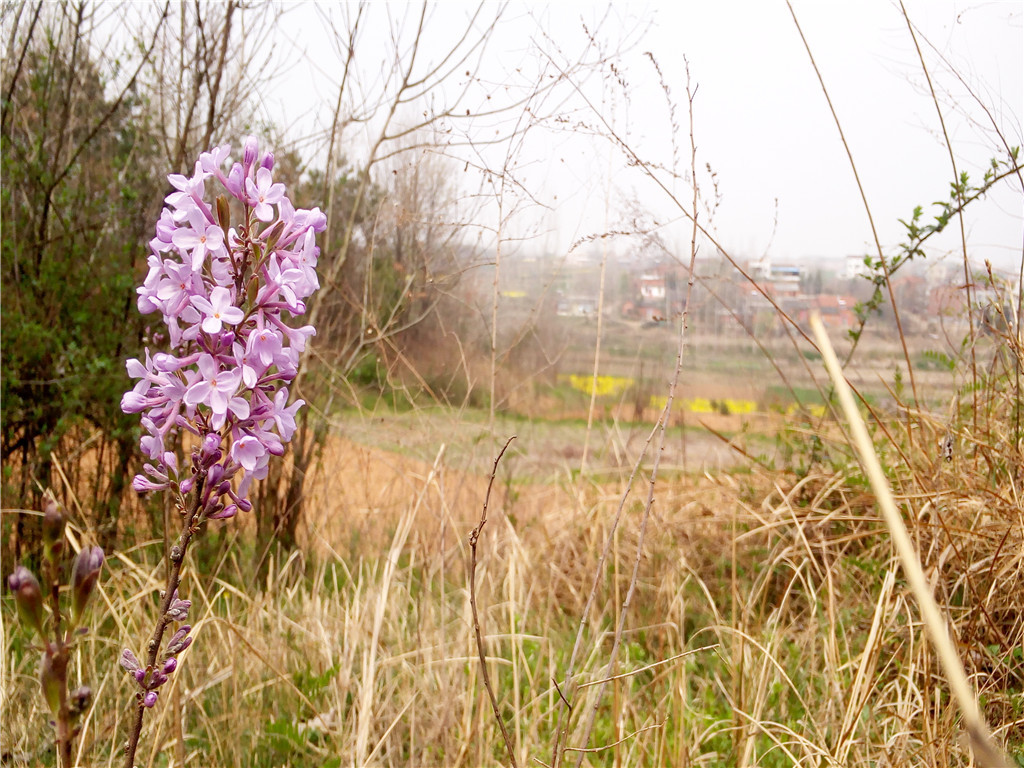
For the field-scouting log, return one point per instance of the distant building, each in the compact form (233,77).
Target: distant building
(655,295)
(760,269)
(652,287)
(835,311)
(576,306)
(785,280)
(777,280)
(855,267)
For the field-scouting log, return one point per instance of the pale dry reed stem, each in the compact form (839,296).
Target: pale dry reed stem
(986,752)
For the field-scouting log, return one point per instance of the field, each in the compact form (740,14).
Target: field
(766,623)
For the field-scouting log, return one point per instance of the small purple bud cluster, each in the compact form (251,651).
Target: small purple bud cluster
(85,571)
(56,636)
(222,291)
(151,677)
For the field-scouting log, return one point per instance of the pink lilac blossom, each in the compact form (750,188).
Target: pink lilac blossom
(263,194)
(227,295)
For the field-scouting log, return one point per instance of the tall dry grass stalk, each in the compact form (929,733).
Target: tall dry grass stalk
(934,621)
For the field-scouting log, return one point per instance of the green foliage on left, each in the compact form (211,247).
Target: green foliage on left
(78,201)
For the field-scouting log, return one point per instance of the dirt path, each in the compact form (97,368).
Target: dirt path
(374,470)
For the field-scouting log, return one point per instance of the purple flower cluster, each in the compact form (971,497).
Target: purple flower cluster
(223,291)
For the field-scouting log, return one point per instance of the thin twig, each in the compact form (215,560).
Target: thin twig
(561,695)
(8,97)
(867,210)
(57,651)
(474,537)
(958,187)
(603,747)
(662,429)
(1015,170)
(648,666)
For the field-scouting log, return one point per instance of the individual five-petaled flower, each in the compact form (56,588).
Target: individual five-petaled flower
(217,310)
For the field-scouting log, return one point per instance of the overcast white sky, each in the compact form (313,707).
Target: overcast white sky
(761,119)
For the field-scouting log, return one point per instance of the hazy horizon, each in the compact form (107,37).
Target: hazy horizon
(760,118)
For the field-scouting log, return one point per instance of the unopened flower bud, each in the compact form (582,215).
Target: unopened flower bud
(170,461)
(221,512)
(158,679)
(180,641)
(129,661)
(249,153)
(141,484)
(267,161)
(28,596)
(178,609)
(236,180)
(84,574)
(50,682)
(170,665)
(149,700)
(53,529)
(210,444)
(215,476)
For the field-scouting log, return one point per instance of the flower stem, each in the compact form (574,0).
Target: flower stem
(58,653)
(177,559)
